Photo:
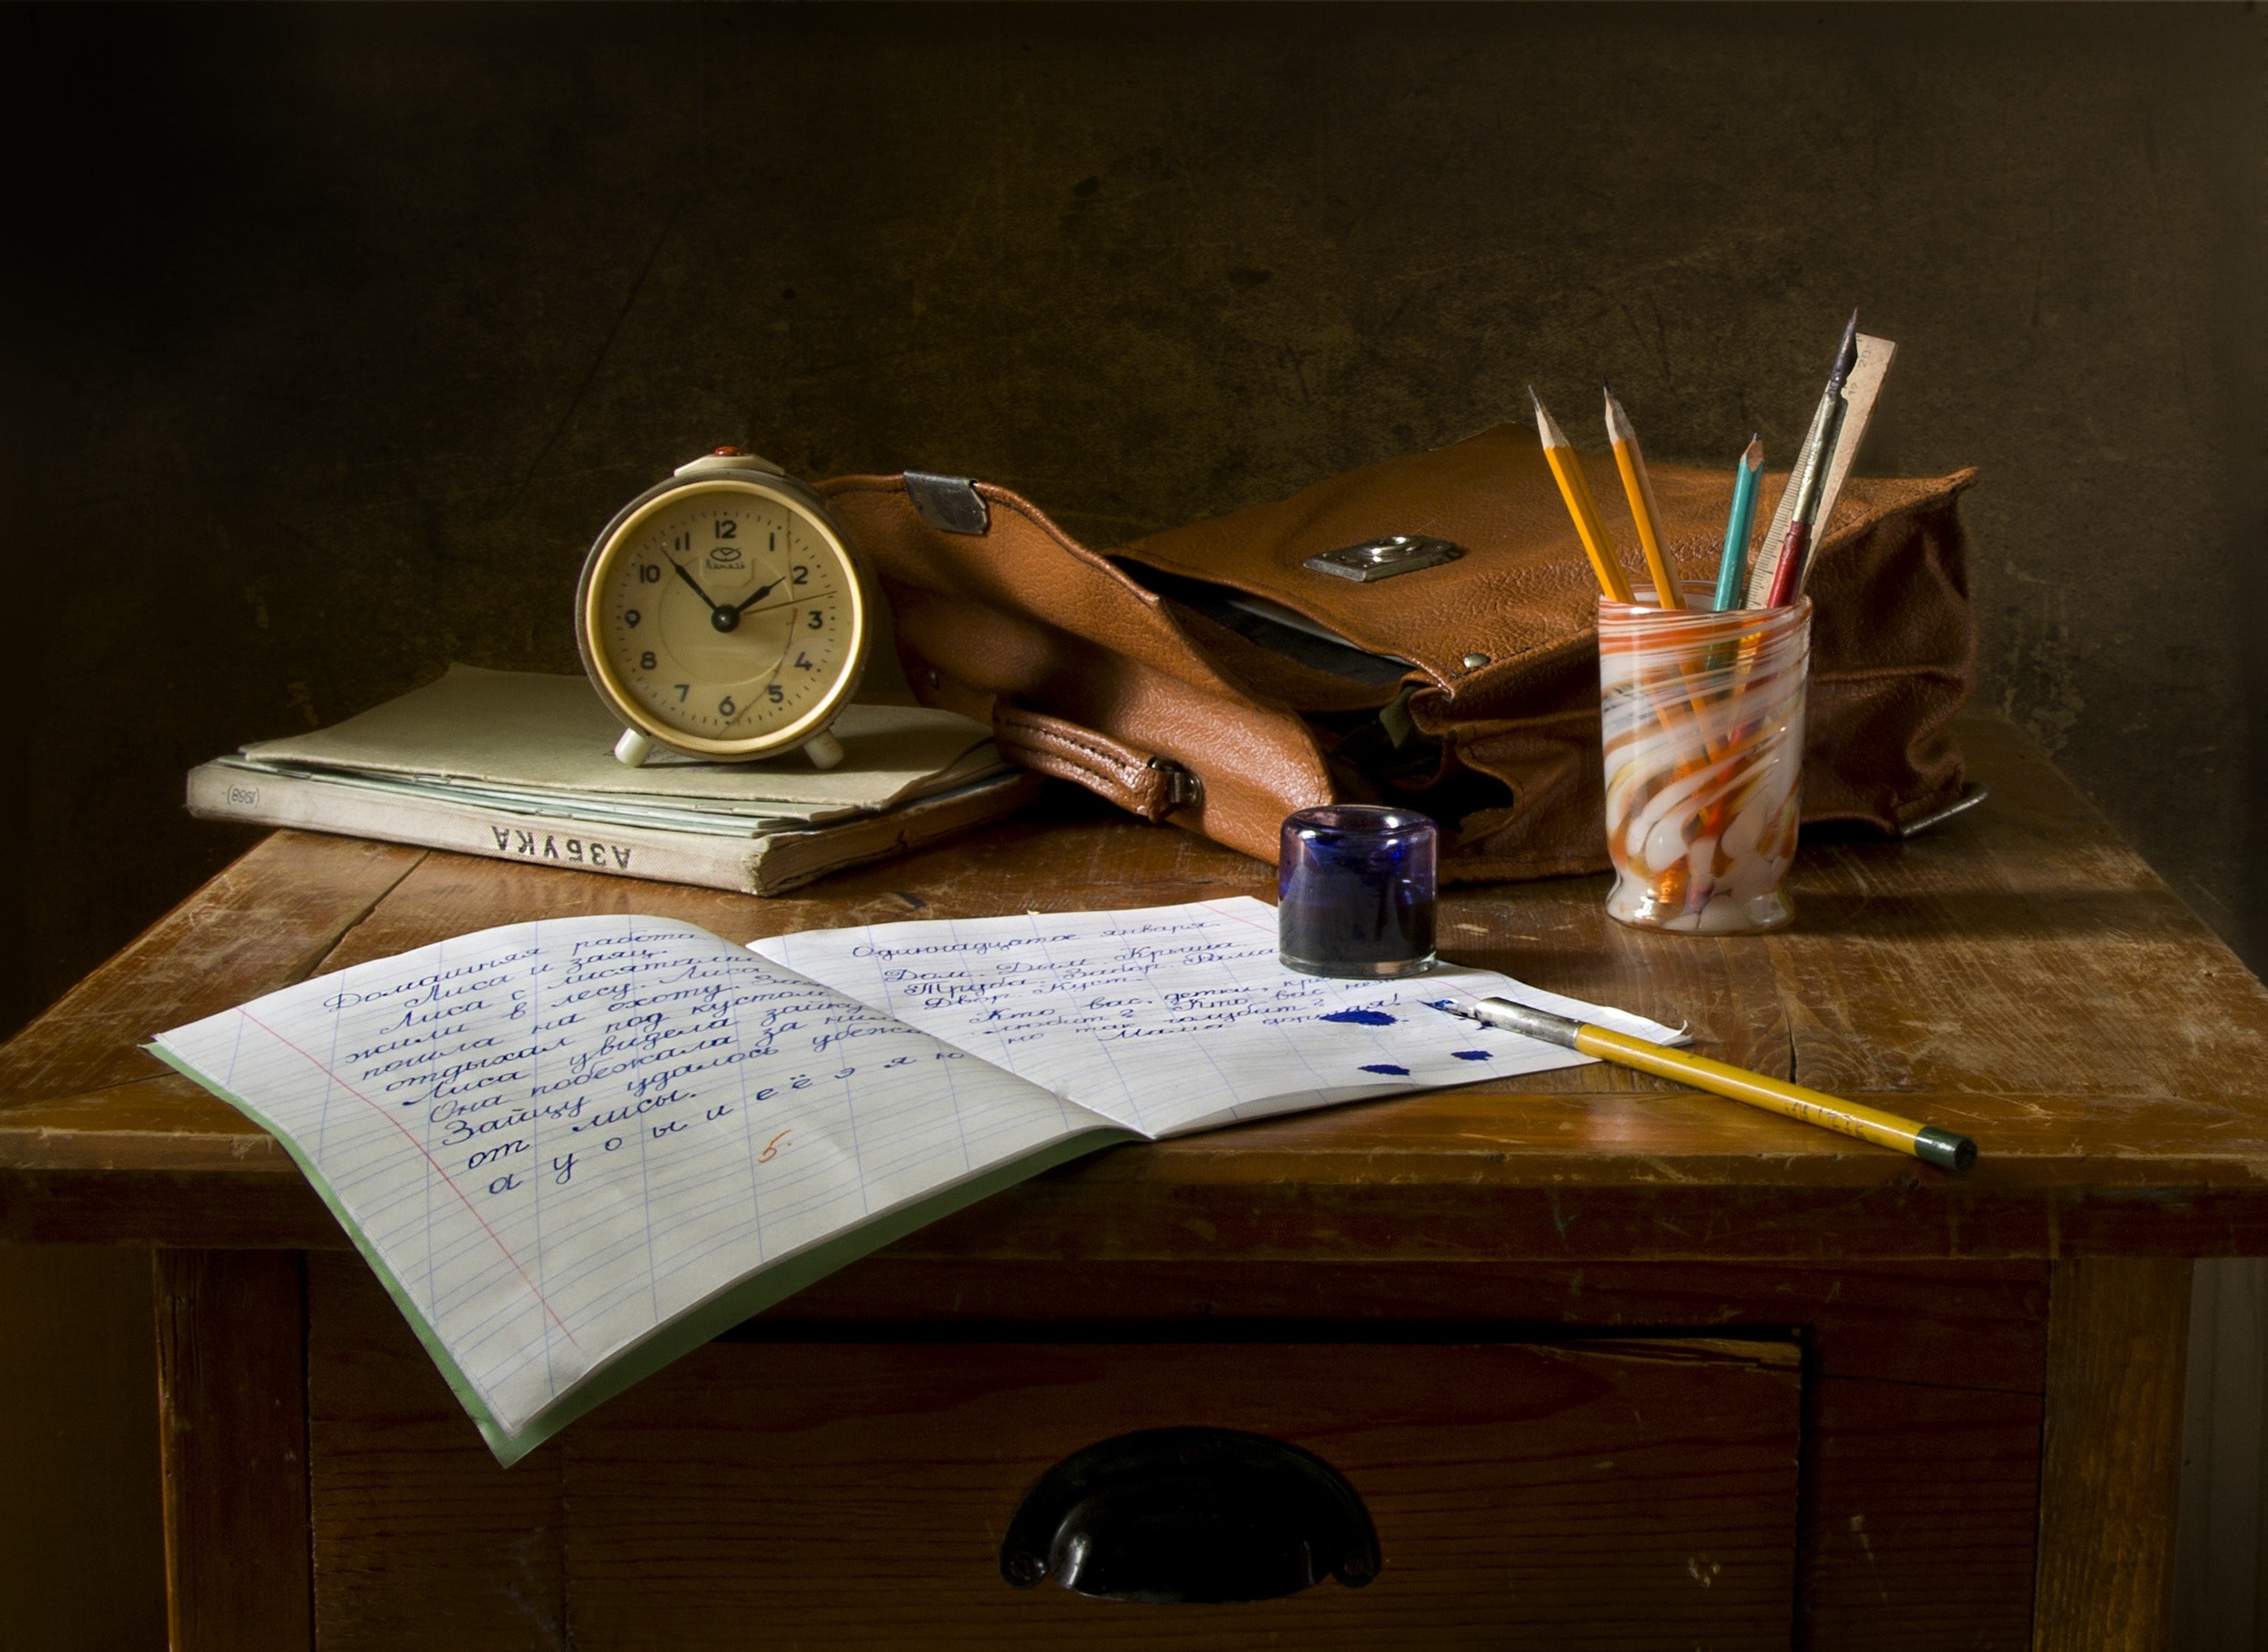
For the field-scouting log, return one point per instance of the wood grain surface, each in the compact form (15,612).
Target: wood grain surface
(2111,1469)
(1597,1492)
(1920,1513)
(2018,975)
(418,1538)
(1920,1420)
(264,922)
(1923,1388)
(232,1445)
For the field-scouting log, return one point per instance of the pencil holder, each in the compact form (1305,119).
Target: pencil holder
(1701,715)
(1354,891)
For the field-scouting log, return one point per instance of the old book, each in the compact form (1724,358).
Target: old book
(574,1150)
(754,855)
(517,766)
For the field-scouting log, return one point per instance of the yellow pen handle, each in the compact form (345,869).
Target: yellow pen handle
(1925,1142)
(1931,1146)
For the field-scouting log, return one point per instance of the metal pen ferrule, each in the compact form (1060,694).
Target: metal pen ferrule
(1510,1017)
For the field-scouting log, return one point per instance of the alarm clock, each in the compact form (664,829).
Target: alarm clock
(722,615)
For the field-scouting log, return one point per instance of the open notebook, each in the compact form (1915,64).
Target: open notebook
(574,1150)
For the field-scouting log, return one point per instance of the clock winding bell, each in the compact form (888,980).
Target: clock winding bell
(722,615)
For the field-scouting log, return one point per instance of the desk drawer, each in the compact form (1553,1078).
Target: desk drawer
(1607,1492)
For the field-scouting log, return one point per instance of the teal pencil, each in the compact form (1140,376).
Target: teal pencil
(1732,572)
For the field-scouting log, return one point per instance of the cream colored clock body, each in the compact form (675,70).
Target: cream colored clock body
(723,616)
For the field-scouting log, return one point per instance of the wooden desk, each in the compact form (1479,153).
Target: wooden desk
(1961,1397)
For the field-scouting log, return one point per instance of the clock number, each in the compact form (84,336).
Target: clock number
(803,575)
(681,688)
(646,660)
(649,574)
(630,616)
(803,662)
(818,620)
(775,693)
(725,707)
(727,528)
(684,541)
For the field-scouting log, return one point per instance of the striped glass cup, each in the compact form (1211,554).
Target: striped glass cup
(1702,719)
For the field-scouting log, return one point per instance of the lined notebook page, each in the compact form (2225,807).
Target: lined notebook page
(552,1138)
(1170,1019)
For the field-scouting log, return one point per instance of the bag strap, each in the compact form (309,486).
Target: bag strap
(1140,782)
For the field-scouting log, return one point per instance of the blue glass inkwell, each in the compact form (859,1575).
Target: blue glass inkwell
(1354,892)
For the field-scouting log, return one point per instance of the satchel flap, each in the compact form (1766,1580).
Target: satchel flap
(1523,586)
(1087,674)
(1020,564)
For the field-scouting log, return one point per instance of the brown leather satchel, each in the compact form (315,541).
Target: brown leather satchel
(1421,631)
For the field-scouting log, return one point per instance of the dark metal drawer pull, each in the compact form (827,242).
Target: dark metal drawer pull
(1191,1514)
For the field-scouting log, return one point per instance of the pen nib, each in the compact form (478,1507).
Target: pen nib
(1847,352)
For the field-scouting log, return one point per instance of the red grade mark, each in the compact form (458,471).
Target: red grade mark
(771,1148)
(429,1158)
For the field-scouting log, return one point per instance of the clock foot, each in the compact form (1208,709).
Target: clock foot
(824,750)
(634,748)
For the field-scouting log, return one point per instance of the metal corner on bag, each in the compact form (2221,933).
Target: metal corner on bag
(1184,789)
(950,504)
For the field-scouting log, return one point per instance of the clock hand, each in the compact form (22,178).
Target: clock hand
(713,605)
(784,602)
(757,596)
(724,617)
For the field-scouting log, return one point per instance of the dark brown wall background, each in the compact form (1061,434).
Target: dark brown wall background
(335,332)
(332,334)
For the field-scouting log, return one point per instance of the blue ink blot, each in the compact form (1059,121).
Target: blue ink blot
(1388,1067)
(1362,1018)
(1472,1055)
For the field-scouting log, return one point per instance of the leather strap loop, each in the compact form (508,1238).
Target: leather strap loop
(1137,782)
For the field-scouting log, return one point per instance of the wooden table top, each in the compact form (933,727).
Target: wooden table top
(2017,973)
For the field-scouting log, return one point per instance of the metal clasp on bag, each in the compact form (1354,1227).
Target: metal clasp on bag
(1376,559)
(1184,789)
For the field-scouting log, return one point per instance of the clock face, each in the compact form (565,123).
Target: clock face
(724,618)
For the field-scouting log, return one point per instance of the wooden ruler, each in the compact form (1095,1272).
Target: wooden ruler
(1859,394)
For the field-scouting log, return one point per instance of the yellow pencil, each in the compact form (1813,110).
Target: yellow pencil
(1931,1146)
(1569,473)
(1637,488)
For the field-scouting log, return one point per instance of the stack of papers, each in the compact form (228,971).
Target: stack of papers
(519,766)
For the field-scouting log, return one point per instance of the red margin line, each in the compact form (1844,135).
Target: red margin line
(446,1180)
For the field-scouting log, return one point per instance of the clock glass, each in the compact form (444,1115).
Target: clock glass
(725,618)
